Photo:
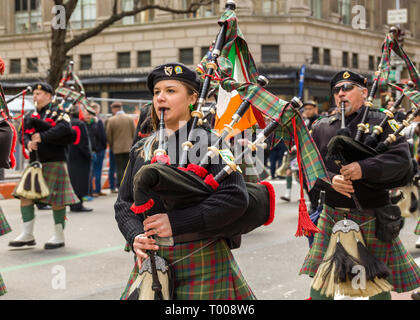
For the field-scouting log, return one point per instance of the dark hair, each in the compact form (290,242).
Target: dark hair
(116,105)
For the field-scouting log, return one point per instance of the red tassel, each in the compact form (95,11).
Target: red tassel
(143,208)
(198,170)
(211,182)
(162,159)
(81,116)
(305,224)
(30,131)
(51,121)
(25,155)
(78,134)
(272,197)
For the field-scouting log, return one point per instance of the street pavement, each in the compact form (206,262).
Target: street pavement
(94,266)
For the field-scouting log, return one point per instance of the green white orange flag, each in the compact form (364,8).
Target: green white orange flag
(228,102)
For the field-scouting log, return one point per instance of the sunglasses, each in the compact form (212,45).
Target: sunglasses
(345,87)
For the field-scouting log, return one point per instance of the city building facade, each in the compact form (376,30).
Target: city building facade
(282,35)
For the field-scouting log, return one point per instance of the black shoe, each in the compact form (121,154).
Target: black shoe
(416,295)
(19,244)
(44,207)
(285,198)
(53,245)
(81,209)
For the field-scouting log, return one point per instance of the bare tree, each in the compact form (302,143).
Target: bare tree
(60,45)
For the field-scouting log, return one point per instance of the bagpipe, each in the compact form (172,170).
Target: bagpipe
(344,150)
(32,184)
(190,183)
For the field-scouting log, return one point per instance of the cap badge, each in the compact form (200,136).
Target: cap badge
(168,71)
(39,87)
(346,75)
(178,69)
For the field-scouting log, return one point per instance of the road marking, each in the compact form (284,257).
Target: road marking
(417,261)
(55,260)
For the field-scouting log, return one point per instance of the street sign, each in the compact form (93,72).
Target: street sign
(397,16)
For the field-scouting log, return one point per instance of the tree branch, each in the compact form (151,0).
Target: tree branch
(118,16)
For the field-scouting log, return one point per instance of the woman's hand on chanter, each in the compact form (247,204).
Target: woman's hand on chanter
(141,244)
(158,224)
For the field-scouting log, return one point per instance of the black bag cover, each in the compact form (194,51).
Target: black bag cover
(388,222)
(348,150)
(179,189)
(6,137)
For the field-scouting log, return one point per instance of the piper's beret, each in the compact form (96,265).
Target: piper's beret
(173,71)
(347,75)
(310,102)
(43,86)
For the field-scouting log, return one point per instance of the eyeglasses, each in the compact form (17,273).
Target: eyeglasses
(345,87)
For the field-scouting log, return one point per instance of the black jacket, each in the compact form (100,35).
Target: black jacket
(54,141)
(223,207)
(384,168)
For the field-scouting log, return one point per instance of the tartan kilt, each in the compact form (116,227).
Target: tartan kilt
(56,176)
(417,230)
(3,290)
(209,274)
(4,225)
(405,272)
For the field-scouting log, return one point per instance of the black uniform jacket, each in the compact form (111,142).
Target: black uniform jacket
(54,141)
(225,205)
(384,168)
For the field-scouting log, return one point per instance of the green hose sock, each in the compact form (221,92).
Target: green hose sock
(60,216)
(289,180)
(28,213)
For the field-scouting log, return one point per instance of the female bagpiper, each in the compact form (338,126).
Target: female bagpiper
(204,267)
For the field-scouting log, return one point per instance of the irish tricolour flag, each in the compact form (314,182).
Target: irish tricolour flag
(228,102)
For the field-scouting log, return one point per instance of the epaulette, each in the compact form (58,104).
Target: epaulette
(376,114)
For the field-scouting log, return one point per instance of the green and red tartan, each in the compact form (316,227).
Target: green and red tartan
(56,176)
(4,225)
(3,290)
(209,274)
(405,272)
(417,230)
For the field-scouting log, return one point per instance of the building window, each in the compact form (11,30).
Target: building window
(85,61)
(128,5)
(344,11)
(327,57)
(186,56)
(371,63)
(15,66)
(144,59)
(32,65)
(209,10)
(28,16)
(124,60)
(316,8)
(345,61)
(355,61)
(315,55)
(84,15)
(269,7)
(270,54)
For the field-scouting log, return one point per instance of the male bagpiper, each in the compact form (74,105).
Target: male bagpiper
(49,148)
